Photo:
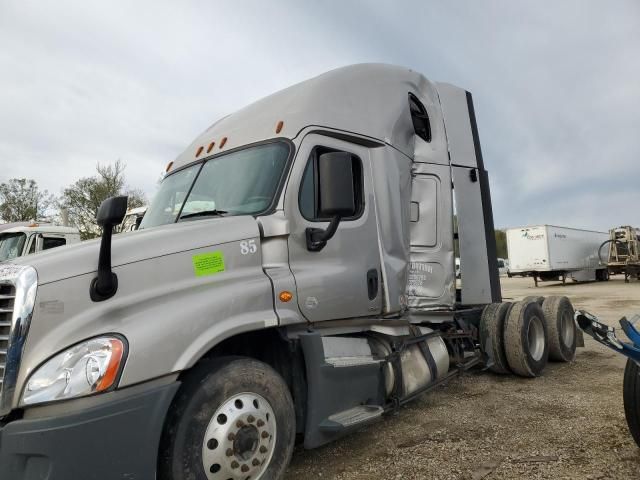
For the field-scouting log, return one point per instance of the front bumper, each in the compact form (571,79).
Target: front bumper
(116,439)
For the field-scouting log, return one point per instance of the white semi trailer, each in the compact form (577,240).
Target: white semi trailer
(548,252)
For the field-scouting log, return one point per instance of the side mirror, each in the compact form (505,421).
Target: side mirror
(39,243)
(335,182)
(112,211)
(336,192)
(110,214)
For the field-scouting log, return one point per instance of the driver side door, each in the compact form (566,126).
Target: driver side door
(343,279)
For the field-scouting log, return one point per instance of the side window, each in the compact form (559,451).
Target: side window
(308,196)
(424,211)
(32,247)
(52,242)
(420,118)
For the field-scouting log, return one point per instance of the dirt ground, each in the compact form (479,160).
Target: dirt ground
(567,424)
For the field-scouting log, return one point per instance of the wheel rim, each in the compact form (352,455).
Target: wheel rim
(567,330)
(535,338)
(240,439)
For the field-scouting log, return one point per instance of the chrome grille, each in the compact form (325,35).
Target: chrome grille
(7,297)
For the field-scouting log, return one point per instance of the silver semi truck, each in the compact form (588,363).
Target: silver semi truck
(294,278)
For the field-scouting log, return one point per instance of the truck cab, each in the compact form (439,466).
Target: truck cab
(34,238)
(132,220)
(293,278)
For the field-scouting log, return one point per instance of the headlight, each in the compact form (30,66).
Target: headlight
(89,367)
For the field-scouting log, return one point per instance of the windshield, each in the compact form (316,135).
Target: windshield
(239,183)
(11,245)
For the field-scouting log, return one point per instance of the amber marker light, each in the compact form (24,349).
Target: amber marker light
(285,296)
(223,141)
(199,151)
(210,147)
(169,165)
(110,374)
(279,126)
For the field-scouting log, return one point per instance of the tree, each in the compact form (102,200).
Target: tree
(83,198)
(21,200)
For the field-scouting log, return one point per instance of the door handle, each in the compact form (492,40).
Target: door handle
(372,283)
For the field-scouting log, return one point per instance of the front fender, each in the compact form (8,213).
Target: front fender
(168,313)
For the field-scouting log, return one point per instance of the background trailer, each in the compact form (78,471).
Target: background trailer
(547,252)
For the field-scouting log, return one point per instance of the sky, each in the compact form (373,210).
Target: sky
(556,86)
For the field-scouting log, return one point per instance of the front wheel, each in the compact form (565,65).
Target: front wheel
(631,395)
(232,419)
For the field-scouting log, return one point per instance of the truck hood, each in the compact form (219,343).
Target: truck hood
(66,262)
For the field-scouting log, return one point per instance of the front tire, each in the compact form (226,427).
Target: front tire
(233,418)
(631,396)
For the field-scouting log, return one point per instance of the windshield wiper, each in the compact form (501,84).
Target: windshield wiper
(204,213)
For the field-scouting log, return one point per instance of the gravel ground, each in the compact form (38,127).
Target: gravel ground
(569,423)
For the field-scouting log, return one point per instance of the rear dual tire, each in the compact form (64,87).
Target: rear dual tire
(534,298)
(525,339)
(492,336)
(561,328)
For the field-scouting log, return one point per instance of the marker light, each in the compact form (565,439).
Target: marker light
(199,151)
(285,296)
(169,165)
(223,141)
(279,126)
(84,369)
(210,147)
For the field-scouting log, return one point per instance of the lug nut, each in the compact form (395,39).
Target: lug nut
(265,434)
(231,436)
(260,423)
(244,468)
(251,419)
(229,452)
(263,449)
(255,462)
(234,464)
(239,424)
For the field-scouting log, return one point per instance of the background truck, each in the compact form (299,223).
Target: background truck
(27,238)
(294,277)
(621,252)
(132,220)
(547,252)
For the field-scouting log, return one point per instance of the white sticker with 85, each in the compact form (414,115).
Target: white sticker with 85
(248,247)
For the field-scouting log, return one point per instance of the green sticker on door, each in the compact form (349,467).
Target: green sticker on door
(208,263)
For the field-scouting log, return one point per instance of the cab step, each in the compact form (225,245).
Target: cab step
(343,386)
(356,416)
